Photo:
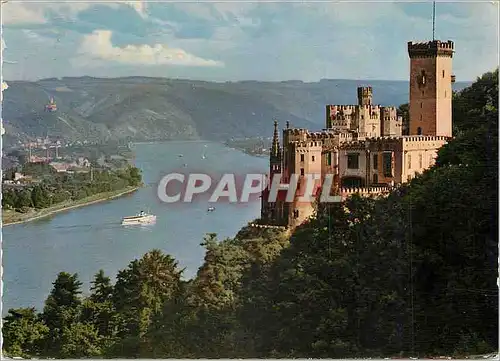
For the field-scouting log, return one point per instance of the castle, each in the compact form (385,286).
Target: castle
(362,145)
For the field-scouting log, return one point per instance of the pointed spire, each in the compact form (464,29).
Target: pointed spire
(275,148)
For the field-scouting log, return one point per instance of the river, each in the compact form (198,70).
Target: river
(90,238)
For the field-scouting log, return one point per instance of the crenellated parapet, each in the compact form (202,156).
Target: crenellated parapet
(365,95)
(354,145)
(365,191)
(422,142)
(430,49)
(386,139)
(425,138)
(308,144)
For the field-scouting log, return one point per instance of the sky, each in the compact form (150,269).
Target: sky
(230,41)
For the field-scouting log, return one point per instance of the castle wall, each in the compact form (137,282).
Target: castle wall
(369,121)
(349,169)
(391,124)
(444,96)
(420,154)
(422,106)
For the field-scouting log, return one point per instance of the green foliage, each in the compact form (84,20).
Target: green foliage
(404,112)
(23,332)
(60,188)
(37,169)
(411,274)
(477,106)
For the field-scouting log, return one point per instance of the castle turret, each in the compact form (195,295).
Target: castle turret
(430,87)
(365,95)
(275,156)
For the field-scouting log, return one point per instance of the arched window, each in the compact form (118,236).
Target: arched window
(419,131)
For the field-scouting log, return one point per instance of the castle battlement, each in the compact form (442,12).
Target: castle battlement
(354,145)
(296,131)
(369,106)
(384,139)
(307,145)
(365,190)
(430,48)
(424,138)
(340,124)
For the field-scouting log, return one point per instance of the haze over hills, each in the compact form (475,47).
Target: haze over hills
(149,109)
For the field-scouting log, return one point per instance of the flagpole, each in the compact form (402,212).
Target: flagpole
(433,20)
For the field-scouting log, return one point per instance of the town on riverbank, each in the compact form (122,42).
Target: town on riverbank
(37,186)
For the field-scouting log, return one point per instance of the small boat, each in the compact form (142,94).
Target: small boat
(211,209)
(140,218)
(203,156)
(180,155)
(185,165)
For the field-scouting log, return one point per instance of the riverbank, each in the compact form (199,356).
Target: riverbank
(10,217)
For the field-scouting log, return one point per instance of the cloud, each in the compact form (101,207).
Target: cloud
(98,45)
(139,6)
(18,13)
(260,41)
(33,12)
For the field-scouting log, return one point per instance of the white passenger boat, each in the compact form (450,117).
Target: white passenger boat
(140,218)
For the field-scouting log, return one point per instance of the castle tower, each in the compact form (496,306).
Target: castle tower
(430,87)
(275,156)
(365,95)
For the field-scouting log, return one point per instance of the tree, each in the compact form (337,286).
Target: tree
(80,340)
(101,289)
(23,333)
(61,309)
(40,197)
(404,112)
(9,198)
(24,199)
(139,293)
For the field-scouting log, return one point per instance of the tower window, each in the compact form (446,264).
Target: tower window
(375,161)
(443,73)
(420,105)
(420,117)
(353,161)
(387,164)
(409,161)
(302,171)
(329,158)
(419,131)
(313,158)
(302,157)
(420,161)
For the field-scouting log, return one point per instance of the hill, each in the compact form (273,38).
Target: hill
(139,108)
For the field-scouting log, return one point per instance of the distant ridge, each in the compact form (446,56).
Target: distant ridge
(151,109)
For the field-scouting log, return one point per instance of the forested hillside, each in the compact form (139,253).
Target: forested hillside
(412,274)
